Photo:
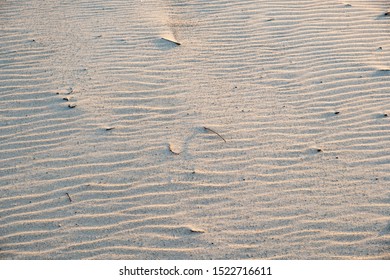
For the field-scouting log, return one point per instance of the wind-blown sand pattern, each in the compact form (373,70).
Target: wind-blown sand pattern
(104,152)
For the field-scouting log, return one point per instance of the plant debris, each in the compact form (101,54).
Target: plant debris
(70,199)
(171,41)
(209,129)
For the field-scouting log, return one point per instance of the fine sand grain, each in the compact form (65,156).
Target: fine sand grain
(170,129)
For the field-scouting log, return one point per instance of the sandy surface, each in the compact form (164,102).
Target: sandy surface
(104,154)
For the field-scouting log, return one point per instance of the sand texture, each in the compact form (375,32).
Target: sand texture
(264,134)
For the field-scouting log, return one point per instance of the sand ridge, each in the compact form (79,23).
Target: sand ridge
(104,152)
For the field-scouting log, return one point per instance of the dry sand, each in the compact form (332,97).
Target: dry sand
(296,90)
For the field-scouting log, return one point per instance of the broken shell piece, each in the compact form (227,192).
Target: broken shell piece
(197,230)
(172,150)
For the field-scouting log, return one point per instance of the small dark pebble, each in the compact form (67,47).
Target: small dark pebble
(385,115)
(337,157)
(319,150)
(110,128)
(387,14)
(337,112)
(72,106)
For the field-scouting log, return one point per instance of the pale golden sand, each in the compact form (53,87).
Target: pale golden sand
(104,154)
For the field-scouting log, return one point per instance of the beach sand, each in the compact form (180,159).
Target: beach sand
(264,135)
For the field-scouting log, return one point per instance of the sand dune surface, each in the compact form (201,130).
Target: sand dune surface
(264,134)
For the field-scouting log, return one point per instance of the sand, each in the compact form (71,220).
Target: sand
(263,135)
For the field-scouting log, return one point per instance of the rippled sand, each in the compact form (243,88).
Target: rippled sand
(264,134)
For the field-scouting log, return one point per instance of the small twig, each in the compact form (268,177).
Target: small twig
(70,199)
(172,151)
(177,43)
(110,128)
(209,129)
(197,230)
